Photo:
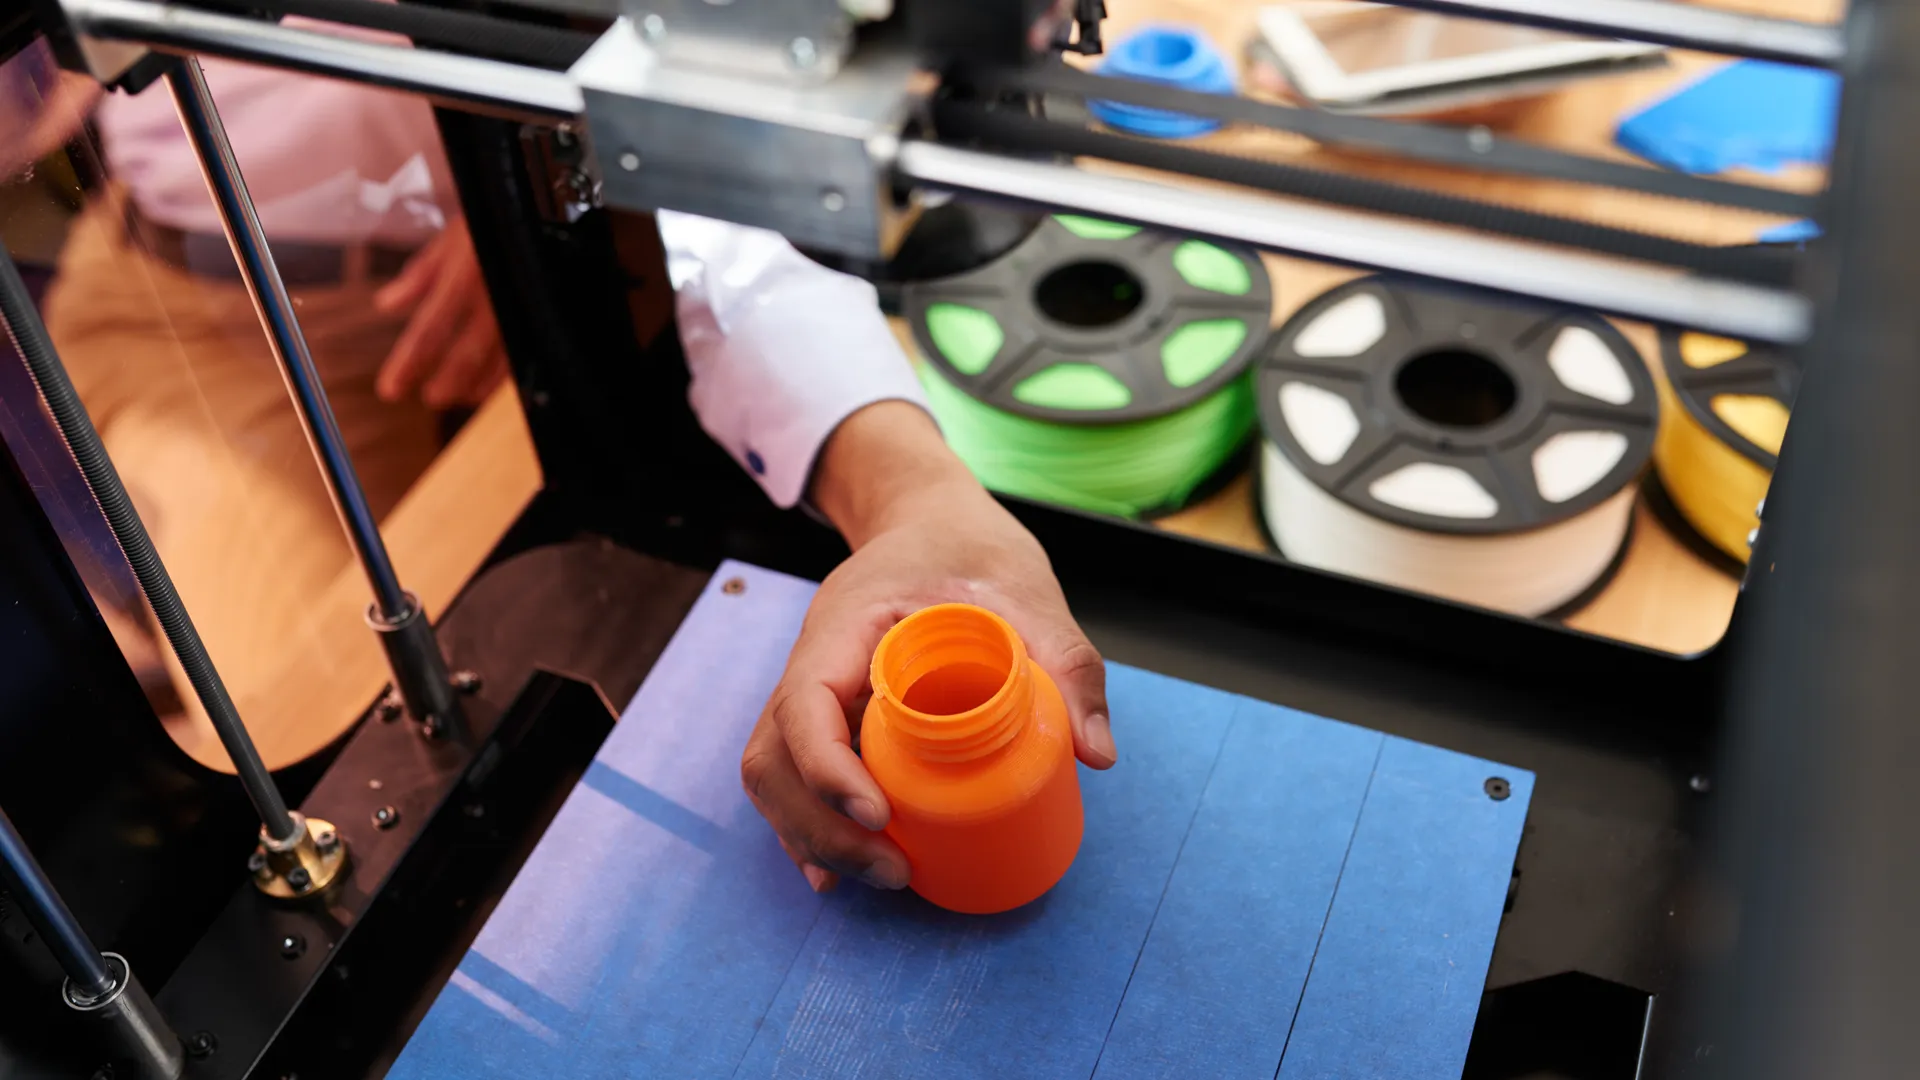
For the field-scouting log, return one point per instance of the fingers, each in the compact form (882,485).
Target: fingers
(813,835)
(818,879)
(431,328)
(410,285)
(470,362)
(1077,669)
(814,726)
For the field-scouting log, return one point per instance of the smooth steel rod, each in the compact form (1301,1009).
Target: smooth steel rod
(86,969)
(1662,22)
(222,170)
(1578,278)
(465,82)
(103,480)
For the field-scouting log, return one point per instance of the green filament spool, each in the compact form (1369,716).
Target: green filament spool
(1098,365)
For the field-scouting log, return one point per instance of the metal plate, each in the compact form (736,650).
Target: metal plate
(808,161)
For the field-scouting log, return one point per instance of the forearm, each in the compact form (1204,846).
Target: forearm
(881,462)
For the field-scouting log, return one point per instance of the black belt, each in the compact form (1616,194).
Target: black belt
(301,264)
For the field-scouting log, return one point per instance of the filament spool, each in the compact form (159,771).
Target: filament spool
(1099,365)
(1453,445)
(1727,409)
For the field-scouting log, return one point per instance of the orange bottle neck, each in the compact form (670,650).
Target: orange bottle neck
(952,683)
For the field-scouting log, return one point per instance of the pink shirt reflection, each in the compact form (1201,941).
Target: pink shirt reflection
(326,161)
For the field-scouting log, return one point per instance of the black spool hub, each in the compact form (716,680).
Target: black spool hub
(1761,371)
(1459,380)
(1111,301)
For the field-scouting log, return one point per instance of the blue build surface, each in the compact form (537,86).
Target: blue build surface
(1259,892)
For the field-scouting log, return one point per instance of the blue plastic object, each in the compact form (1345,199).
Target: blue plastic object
(1258,891)
(1176,55)
(1748,114)
(1793,232)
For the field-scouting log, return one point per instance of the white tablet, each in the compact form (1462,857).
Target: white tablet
(1343,53)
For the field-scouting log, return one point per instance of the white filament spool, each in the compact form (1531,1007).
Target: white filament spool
(1451,445)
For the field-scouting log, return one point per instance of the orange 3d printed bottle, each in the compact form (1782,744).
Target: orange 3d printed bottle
(969,740)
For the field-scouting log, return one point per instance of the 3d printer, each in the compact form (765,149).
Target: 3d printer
(140,868)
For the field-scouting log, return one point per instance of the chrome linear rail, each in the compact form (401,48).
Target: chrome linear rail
(1608,284)
(462,82)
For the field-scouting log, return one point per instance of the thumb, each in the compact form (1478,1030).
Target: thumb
(1077,669)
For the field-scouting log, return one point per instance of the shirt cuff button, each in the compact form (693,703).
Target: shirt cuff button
(755,463)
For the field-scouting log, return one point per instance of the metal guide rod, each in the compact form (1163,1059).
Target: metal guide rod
(1578,278)
(1662,22)
(270,299)
(44,907)
(103,480)
(124,1023)
(420,670)
(489,86)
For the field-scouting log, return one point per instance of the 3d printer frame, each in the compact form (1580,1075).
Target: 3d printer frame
(1633,748)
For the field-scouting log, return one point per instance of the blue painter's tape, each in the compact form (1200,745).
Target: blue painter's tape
(1397,979)
(1231,947)
(658,930)
(1175,55)
(889,986)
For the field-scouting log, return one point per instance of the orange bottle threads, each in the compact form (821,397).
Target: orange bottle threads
(969,740)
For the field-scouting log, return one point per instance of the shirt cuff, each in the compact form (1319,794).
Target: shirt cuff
(780,348)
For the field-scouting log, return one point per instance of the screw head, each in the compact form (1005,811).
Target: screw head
(833,201)
(629,161)
(803,53)
(1753,536)
(293,947)
(386,818)
(202,1044)
(390,706)
(654,27)
(325,839)
(734,586)
(1700,783)
(1479,139)
(1497,788)
(299,879)
(257,862)
(467,682)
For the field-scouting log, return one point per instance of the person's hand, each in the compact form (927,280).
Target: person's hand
(450,351)
(923,531)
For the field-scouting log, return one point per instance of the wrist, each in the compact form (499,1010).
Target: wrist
(879,462)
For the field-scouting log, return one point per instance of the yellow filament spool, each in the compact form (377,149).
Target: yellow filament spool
(1725,413)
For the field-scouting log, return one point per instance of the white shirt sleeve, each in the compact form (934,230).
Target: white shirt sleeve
(781,349)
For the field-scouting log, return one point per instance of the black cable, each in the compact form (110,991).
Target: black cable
(466,32)
(1475,148)
(65,937)
(1020,133)
(31,338)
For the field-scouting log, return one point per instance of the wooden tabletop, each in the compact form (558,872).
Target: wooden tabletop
(1663,595)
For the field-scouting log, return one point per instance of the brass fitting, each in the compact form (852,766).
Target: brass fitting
(302,865)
